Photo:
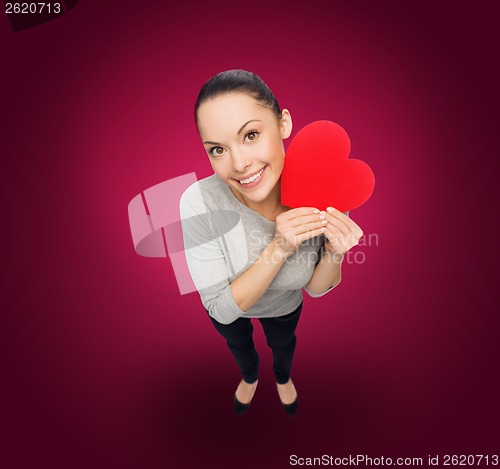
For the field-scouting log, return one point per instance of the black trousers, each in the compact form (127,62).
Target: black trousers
(280,335)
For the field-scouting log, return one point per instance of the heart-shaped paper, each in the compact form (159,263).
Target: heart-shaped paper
(318,172)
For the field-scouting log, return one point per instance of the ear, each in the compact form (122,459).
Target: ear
(285,124)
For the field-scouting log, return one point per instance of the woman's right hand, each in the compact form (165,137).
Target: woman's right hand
(292,228)
(295,226)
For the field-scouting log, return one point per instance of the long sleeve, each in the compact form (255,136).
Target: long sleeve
(206,251)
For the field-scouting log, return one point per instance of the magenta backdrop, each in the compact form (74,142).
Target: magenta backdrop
(106,365)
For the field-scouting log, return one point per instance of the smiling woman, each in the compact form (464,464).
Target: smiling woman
(258,267)
(244,141)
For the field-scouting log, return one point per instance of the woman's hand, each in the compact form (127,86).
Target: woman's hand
(341,232)
(295,226)
(292,228)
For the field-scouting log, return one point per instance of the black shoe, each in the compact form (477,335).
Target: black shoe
(240,408)
(291,409)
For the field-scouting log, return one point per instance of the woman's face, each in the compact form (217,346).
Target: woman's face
(244,141)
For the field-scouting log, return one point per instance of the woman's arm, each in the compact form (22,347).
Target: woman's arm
(327,274)
(341,235)
(292,228)
(207,262)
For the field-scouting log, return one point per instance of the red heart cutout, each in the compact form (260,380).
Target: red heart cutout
(318,173)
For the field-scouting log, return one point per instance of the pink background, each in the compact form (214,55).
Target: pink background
(106,365)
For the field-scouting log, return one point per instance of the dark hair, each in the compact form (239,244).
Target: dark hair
(237,81)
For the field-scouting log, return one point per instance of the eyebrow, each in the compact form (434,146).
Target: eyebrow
(239,131)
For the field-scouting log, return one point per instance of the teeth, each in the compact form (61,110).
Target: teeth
(253,178)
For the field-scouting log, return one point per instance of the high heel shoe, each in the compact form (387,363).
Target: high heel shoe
(291,409)
(239,407)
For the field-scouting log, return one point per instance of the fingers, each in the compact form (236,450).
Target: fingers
(290,240)
(341,232)
(334,232)
(347,241)
(306,227)
(338,225)
(341,221)
(302,216)
(298,212)
(310,234)
(300,224)
(305,219)
(332,238)
(300,220)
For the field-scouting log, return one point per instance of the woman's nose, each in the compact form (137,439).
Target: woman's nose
(241,161)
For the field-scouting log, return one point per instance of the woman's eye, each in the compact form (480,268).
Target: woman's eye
(251,136)
(216,151)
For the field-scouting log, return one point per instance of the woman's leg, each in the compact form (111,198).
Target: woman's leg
(239,339)
(280,335)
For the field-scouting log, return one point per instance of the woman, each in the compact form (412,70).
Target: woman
(249,255)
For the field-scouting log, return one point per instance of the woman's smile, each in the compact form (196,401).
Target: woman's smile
(253,179)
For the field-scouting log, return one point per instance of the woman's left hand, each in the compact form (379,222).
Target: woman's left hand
(341,232)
